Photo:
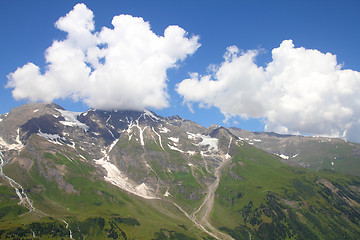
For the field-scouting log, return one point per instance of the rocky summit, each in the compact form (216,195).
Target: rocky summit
(136,175)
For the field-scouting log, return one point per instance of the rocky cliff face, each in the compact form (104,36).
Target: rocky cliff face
(136,151)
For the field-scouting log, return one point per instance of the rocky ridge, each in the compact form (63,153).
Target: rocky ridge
(140,152)
(60,163)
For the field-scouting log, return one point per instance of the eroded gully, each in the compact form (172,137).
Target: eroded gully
(200,217)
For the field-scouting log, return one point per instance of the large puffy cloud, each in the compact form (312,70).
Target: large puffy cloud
(123,67)
(300,91)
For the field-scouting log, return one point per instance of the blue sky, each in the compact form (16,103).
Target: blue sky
(254,27)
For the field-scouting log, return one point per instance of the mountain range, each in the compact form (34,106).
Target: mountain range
(136,175)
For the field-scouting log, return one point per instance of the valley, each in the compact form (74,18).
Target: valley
(137,175)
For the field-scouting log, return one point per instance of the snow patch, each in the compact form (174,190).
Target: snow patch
(117,178)
(150,114)
(211,142)
(71,119)
(191,153)
(175,140)
(175,148)
(108,118)
(86,113)
(19,143)
(113,144)
(167,193)
(286,157)
(111,133)
(283,156)
(15,146)
(159,138)
(141,131)
(164,130)
(192,136)
(239,142)
(143,189)
(130,126)
(53,138)
(257,140)
(227,155)
(36,110)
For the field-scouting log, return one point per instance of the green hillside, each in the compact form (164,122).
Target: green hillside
(317,153)
(258,196)
(134,175)
(93,208)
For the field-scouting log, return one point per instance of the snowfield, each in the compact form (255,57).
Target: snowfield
(71,119)
(117,178)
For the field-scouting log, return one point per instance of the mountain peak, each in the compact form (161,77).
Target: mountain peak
(126,165)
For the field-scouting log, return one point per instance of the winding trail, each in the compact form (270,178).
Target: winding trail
(196,222)
(208,203)
(205,208)
(200,217)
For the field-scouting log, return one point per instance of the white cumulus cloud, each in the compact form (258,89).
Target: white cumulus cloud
(123,67)
(300,91)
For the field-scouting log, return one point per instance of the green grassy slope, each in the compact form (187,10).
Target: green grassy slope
(316,153)
(169,170)
(257,197)
(335,155)
(261,197)
(93,208)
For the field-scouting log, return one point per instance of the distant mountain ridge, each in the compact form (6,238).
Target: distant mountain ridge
(135,174)
(310,152)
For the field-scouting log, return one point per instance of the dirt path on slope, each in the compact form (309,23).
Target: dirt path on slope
(202,214)
(202,222)
(208,203)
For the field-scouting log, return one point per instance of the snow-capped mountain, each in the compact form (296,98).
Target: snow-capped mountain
(118,174)
(99,135)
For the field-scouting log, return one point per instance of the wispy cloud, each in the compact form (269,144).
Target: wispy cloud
(123,67)
(300,91)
